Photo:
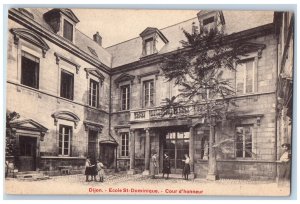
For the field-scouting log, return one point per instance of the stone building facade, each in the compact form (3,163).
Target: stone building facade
(81,99)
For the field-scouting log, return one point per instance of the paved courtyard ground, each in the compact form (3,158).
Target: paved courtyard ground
(123,184)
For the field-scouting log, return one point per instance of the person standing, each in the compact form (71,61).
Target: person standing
(100,169)
(284,171)
(154,165)
(166,166)
(88,169)
(94,171)
(186,167)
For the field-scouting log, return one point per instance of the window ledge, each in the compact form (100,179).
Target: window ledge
(61,157)
(150,55)
(123,158)
(123,111)
(237,160)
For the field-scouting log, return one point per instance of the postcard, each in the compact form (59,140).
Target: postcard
(149,102)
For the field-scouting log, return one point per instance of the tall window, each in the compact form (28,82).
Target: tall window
(245,77)
(30,66)
(125,97)
(65,135)
(92,143)
(149,46)
(243,147)
(125,144)
(94,93)
(68,30)
(148,90)
(67,85)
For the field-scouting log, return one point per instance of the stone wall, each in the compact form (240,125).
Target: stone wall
(248,170)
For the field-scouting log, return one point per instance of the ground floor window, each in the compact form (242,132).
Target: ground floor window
(243,144)
(125,144)
(65,135)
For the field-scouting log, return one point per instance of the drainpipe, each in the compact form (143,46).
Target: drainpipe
(276,106)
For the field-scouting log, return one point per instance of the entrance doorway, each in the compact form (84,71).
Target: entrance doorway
(27,158)
(176,144)
(107,155)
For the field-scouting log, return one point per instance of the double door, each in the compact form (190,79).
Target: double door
(176,144)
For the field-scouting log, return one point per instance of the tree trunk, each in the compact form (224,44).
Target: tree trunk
(212,162)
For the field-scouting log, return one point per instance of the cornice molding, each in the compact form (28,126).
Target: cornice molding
(124,77)
(156,73)
(95,72)
(31,37)
(61,57)
(65,115)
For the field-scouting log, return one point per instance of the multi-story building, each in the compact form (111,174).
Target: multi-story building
(78,99)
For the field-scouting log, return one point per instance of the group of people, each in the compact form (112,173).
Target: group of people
(94,170)
(167,166)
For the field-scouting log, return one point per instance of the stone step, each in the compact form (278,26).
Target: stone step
(32,176)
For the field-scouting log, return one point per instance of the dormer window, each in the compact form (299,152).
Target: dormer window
(62,22)
(68,30)
(153,41)
(211,20)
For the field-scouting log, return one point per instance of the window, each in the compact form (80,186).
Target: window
(30,70)
(208,20)
(125,144)
(68,30)
(92,143)
(93,51)
(243,145)
(149,46)
(64,146)
(245,77)
(125,97)
(148,90)
(94,93)
(66,85)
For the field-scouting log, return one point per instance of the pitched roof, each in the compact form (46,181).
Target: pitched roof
(236,21)
(81,40)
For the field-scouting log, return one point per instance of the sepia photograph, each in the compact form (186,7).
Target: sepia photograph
(148,102)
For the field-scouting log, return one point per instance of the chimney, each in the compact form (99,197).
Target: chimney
(97,38)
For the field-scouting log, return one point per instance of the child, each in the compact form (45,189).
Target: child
(100,169)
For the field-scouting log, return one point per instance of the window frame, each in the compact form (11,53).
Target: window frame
(125,152)
(207,21)
(254,75)
(150,41)
(72,86)
(251,126)
(62,148)
(90,100)
(67,22)
(127,100)
(146,105)
(27,55)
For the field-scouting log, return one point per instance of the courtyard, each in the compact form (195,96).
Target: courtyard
(123,184)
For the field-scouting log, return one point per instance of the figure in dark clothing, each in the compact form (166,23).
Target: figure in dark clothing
(166,166)
(186,169)
(88,169)
(284,171)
